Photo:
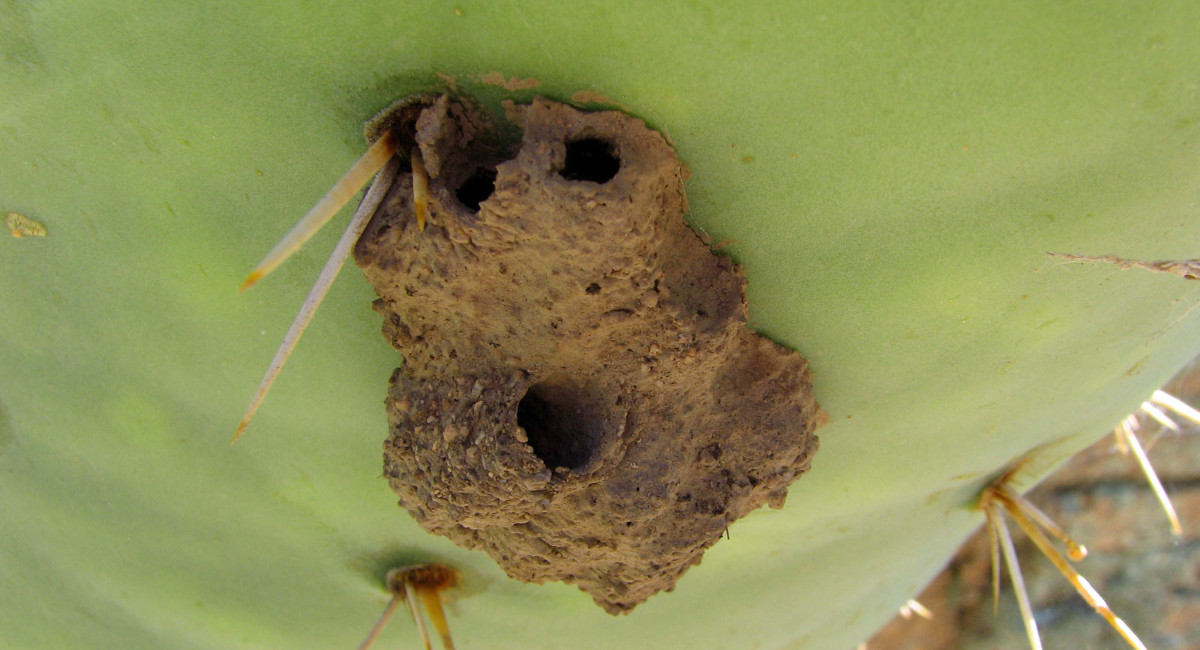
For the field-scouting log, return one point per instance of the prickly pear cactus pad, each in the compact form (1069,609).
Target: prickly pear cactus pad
(889,175)
(580,395)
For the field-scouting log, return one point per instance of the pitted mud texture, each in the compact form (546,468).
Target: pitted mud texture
(580,395)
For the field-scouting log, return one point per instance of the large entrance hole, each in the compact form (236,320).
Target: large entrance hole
(590,159)
(563,423)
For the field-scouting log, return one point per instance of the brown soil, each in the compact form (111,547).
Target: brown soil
(580,395)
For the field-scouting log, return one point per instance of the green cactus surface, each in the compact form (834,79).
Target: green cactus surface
(891,175)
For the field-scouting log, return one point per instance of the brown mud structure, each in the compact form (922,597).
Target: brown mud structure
(580,395)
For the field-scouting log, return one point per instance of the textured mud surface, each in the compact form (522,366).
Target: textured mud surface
(580,396)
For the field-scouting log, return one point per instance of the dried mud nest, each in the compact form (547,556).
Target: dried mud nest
(580,396)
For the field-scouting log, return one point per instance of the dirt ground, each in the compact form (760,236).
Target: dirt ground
(1150,578)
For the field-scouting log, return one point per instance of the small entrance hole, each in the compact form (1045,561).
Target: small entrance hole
(477,188)
(562,424)
(590,159)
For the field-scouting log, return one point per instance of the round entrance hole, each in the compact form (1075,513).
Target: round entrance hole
(477,188)
(590,159)
(563,424)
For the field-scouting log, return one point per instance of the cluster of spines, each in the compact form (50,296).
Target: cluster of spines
(379,162)
(422,587)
